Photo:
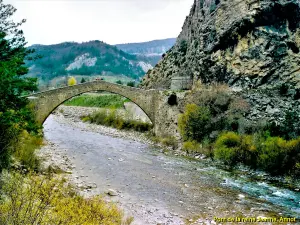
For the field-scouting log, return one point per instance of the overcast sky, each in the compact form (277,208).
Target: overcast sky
(111,21)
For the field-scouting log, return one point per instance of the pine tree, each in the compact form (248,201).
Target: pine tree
(15,114)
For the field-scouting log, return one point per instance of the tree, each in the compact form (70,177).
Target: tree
(119,82)
(82,81)
(15,114)
(131,84)
(72,81)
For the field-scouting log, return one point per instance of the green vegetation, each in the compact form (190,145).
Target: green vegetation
(34,200)
(119,82)
(183,46)
(113,119)
(215,127)
(101,101)
(57,58)
(26,197)
(191,147)
(272,154)
(288,129)
(168,141)
(15,113)
(131,84)
(194,124)
(82,80)
(25,152)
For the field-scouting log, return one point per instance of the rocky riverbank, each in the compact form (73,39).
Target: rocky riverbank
(56,157)
(148,185)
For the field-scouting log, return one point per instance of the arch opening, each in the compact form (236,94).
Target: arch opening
(129,104)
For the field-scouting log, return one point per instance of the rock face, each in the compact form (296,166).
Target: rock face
(244,43)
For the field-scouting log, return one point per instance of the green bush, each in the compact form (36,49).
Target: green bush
(131,84)
(170,141)
(248,150)
(260,151)
(289,127)
(112,119)
(25,151)
(183,46)
(271,154)
(227,148)
(195,122)
(191,147)
(283,89)
(278,156)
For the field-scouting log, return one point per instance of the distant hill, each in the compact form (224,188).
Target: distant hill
(88,58)
(151,51)
(156,47)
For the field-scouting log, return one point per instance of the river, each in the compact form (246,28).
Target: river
(156,188)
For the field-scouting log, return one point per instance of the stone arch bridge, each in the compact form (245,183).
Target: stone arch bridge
(150,101)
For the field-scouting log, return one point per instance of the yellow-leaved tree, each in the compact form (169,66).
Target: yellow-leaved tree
(72,81)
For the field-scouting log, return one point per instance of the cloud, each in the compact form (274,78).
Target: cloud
(113,21)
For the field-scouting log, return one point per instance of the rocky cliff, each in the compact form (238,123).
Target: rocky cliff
(244,43)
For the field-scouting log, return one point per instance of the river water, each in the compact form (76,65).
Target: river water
(157,188)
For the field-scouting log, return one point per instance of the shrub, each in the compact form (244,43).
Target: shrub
(283,89)
(191,147)
(85,118)
(278,156)
(271,154)
(183,46)
(82,80)
(229,140)
(113,119)
(248,151)
(39,200)
(297,94)
(194,124)
(131,84)
(25,150)
(170,141)
(119,82)
(215,96)
(227,148)
(72,81)
(289,128)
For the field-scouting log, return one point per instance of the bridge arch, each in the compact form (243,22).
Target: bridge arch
(46,102)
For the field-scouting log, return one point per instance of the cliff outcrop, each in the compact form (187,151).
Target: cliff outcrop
(247,44)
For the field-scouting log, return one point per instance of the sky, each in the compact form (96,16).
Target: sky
(111,21)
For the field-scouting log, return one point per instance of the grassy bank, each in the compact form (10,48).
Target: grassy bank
(114,119)
(101,101)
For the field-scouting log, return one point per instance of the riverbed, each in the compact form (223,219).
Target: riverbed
(158,188)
